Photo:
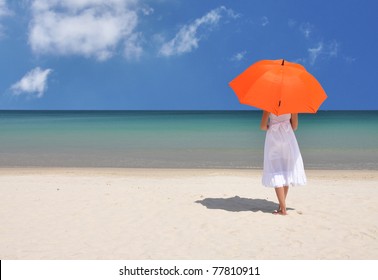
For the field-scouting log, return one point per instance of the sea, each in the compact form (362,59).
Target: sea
(180,139)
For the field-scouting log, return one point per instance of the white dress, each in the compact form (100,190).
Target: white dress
(283,164)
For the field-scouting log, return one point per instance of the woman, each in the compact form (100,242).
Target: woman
(283,164)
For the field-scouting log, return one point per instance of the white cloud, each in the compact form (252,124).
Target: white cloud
(333,49)
(146,10)
(33,83)
(133,48)
(292,23)
(319,49)
(239,56)
(4,11)
(349,59)
(326,51)
(306,29)
(315,52)
(188,37)
(91,28)
(264,21)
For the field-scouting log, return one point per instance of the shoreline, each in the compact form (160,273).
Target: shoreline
(360,174)
(123,213)
(174,169)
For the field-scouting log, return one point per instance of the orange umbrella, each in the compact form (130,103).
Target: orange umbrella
(279,87)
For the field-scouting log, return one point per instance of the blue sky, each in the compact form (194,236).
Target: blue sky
(179,55)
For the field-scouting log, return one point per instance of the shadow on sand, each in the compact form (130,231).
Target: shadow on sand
(237,204)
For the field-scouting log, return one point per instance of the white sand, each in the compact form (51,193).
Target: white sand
(184,214)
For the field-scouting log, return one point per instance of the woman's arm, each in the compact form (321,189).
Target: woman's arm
(294,121)
(264,121)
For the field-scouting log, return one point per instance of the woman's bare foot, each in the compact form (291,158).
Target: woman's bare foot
(279,212)
(284,213)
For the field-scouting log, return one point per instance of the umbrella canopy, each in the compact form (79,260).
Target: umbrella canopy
(279,87)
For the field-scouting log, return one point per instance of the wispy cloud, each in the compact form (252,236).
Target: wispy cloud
(349,59)
(323,50)
(314,52)
(317,49)
(147,10)
(133,48)
(188,37)
(292,23)
(34,83)
(306,29)
(4,11)
(90,28)
(264,21)
(3,8)
(239,56)
(333,49)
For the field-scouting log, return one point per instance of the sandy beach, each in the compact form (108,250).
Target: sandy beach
(103,213)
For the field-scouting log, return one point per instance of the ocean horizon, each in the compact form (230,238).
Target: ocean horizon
(179,139)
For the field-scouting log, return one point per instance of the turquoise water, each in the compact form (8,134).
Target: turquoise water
(179,139)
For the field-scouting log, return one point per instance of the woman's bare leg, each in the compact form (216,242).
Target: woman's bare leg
(286,190)
(280,192)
